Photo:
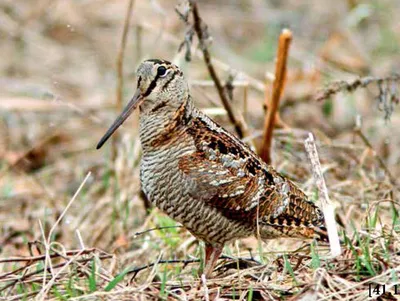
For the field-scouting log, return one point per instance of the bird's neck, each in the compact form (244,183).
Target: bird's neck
(164,122)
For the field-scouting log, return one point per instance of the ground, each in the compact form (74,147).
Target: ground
(74,224)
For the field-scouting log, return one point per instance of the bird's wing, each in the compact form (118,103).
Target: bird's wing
(227,175)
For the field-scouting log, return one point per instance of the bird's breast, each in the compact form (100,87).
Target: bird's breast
(161,178)
(168,188)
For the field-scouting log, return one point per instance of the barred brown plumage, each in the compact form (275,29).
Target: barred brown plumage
(204,177)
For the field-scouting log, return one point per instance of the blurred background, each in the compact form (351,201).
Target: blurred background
(58,96)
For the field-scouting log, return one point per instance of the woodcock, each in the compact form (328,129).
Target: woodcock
(203,176)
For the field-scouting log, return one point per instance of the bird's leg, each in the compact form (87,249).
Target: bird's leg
(212,255)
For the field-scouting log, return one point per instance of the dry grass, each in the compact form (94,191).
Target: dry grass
(62,240)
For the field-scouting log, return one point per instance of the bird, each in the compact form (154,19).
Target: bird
(206,178)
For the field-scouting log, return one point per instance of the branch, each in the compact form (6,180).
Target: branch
(120,71)
(42,257)
(185,262)
(359,133)
(388,91)
(155,229)
(234,117)
(278,86)
(340,86)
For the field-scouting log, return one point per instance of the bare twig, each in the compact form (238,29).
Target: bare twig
(327,207)
(120,71)
(187,41)
(388,90)
(209,83)
(359,133)
(67,207)
(185,262)
(342,85)
(254,83)
(155,229)
(79,236)
(229,87)
(41,257)
(120,58)
(47,242)
(245,101)
(138,38)
(234,117)
(278,86)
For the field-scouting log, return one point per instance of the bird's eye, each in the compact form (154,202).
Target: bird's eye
(161,71)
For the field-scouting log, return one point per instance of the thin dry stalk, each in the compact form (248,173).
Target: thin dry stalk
(78,234)
(205,287)
(278,86)
(47,242)
(327,206)
(31,259)
(209,83)
(343,86)
(359,133)
(67,207)
(138,38)
(120,70)
(245,101)
(253,82)
(43,293)
(235,118)
(47,261)
(184,262)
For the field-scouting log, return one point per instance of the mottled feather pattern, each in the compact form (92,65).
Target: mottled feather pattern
(242,187)
(204,177)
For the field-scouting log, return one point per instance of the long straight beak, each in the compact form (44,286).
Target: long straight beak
(130,107)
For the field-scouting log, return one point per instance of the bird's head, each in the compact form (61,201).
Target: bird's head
(160,86)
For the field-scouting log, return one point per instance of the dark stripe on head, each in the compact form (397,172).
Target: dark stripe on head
(152,85)
(157,61)
(170,80)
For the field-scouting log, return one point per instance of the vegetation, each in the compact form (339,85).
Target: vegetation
(74,224)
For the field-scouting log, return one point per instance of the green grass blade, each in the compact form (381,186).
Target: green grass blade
(289,269)
(250,294)
(92,277)
(116,280)
(163,293)
(58,295)
(315,260)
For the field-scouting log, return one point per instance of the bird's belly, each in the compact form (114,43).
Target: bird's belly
(168,189)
